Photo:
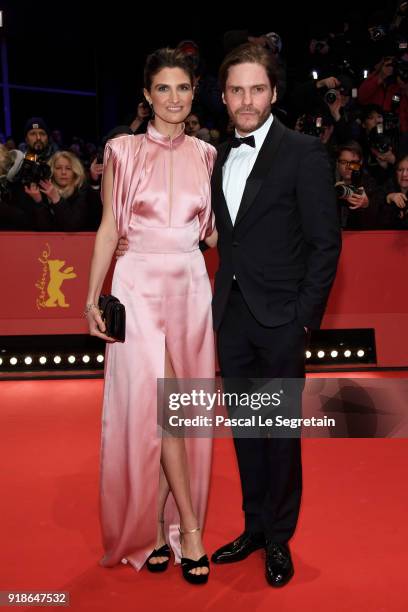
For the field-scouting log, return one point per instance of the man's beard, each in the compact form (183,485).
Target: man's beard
(257,120)
(37,148)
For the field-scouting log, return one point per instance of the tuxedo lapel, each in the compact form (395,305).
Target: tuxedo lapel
(261,167)
(218,197)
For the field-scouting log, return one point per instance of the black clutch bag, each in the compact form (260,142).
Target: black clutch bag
(114,316)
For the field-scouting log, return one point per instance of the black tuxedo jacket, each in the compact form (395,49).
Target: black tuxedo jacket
(285,243)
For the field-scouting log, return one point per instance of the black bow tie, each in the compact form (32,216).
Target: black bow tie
(248,140)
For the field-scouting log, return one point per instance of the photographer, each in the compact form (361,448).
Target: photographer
(357,199)
(37,139)
(12,217)
(328,95)
(394,210)
(320,125)
(138,125)
(388,82)
(381,157)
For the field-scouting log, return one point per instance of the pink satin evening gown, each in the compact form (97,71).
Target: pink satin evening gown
(162,203)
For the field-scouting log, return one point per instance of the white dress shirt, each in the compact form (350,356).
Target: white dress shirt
(238,167)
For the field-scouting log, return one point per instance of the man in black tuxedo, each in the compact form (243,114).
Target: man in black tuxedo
(278,242)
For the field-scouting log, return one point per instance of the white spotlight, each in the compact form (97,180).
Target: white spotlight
(347,353)
(42,360)
(1,361)
(100,358)
(71,359)
(57,359)
(360,353)
(13,361)
(28,360)
(334,354)
(308,354)
(86,359)
(320,354)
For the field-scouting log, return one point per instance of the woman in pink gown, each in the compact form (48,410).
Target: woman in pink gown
(156,193)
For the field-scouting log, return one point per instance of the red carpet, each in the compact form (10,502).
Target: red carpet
(350,549)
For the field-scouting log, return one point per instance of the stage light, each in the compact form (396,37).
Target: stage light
(347,353)
(28,360)
(71,359)
(57,359)
(320,354)
(1,361)
(42,360)
(360,353)
(308,354)
(100,358)
(86,359)
(13,361)
(334,354)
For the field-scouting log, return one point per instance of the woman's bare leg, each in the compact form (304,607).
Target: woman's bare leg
(174,462)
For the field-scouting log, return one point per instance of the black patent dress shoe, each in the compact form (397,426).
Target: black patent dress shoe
(239,549)
(278,564)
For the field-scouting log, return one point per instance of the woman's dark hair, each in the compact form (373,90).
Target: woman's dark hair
(167,58)
(248,54)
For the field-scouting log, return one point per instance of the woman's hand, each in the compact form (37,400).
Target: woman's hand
(34,192)
(49,189)
(399,199)
(121,247)
(96,325)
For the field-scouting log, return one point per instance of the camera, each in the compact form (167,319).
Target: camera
(319,45)
(330,96)
(380,139)
(34,170)
(378,33)
(311,125)
(344,191)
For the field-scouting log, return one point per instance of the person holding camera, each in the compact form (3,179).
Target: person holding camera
(395,198)
(355,190)
(12,217)
(331,96)
(388,81)
(25,189)
(37,139)
(63,193)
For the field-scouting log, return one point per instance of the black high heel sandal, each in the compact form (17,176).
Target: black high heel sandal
(163,551)
(188,564)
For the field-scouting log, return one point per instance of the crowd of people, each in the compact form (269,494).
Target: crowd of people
(355,103)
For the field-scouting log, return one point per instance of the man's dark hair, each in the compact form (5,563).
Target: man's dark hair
(368,109)
(352,147)
(167,58)
(248,54)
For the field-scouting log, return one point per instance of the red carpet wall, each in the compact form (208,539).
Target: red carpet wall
(44,278)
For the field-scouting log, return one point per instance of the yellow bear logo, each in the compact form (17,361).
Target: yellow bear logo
(57,277)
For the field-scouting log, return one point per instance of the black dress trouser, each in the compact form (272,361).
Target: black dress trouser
(270,468)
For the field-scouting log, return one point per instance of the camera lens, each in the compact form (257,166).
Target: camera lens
(330,96)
